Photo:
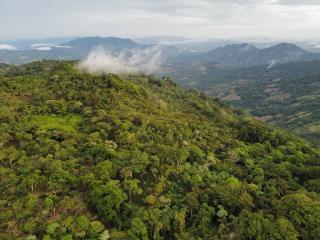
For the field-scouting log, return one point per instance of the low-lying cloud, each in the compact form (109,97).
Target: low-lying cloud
(100,60)
(7,47)
(46,46)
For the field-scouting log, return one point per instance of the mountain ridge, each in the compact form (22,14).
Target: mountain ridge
(232,55)
(91,42)
(246,55)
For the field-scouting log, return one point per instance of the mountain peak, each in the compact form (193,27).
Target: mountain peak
(245,54)
(240,47)
(247,47)
(287,47)
(94,41)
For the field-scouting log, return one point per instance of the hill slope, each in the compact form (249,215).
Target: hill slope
(133,157)
(285,95)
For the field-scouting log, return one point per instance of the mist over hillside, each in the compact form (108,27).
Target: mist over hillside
(101,60)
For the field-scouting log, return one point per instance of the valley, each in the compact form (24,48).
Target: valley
(286,95)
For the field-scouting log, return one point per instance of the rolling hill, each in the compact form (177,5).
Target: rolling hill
(135,157)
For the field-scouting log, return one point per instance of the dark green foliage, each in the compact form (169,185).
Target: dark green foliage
(108,157)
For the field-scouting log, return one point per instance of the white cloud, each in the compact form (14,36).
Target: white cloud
(7,47)
(46,46)
(39,45)
(298,2)
(43,48)
(146,60)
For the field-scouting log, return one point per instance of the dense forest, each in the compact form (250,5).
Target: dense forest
(136,157)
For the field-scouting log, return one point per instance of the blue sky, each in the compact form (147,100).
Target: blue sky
(280,19)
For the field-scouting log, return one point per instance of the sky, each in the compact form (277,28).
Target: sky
(278,19)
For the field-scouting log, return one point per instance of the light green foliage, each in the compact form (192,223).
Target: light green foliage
(104,235)
(256,226)
(31,237)
(52,228)
(48,203)
(304,213)
(64,123)
(97,226)
(138,230)
(222,212)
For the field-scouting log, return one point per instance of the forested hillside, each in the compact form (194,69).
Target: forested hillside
(134,157)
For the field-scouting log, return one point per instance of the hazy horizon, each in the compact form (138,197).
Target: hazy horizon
(201,19)
(236,38)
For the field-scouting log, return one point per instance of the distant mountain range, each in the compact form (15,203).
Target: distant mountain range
(179,52)
(27,44)
(75,49)
(246,55)
(112,43)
